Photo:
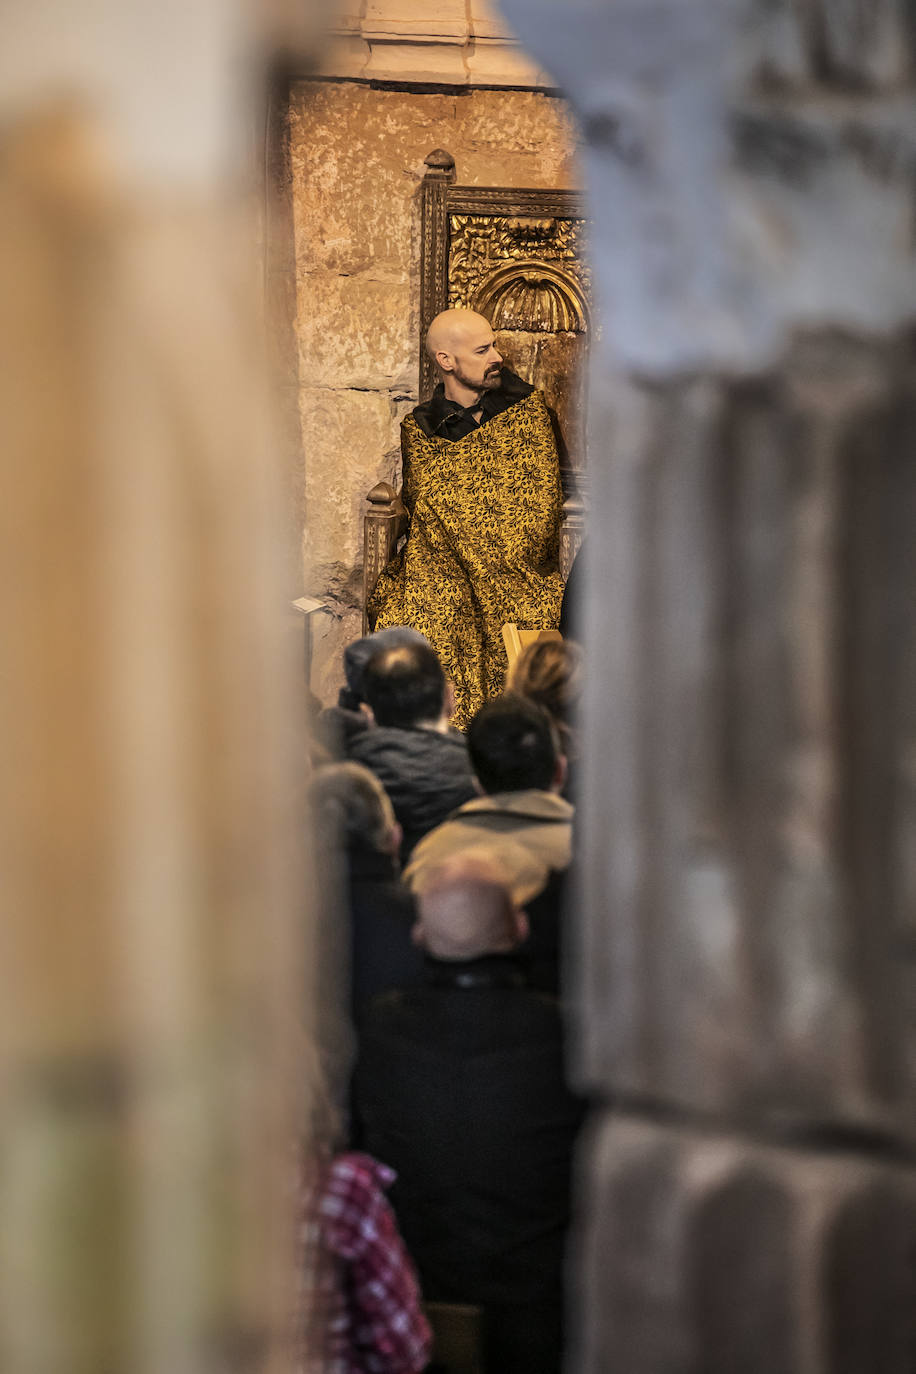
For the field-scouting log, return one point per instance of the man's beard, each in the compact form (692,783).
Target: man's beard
(491,380)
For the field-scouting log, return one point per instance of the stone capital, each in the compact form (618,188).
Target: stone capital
(442,42)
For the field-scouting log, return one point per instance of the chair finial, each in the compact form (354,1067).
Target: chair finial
(440,164)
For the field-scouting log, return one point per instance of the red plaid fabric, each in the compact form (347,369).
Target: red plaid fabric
(379,1327)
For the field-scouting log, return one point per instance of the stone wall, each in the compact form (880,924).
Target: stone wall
(357,157)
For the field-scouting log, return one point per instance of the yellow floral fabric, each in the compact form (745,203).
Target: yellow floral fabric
(482,547)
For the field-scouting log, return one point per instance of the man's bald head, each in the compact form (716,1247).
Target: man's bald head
(451,328)
(466,909)
(463,346)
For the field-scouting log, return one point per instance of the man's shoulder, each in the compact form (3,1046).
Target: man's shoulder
(393,742)
(536,805)
(444,840)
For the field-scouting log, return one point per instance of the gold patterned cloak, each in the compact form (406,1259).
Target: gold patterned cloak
(482,545)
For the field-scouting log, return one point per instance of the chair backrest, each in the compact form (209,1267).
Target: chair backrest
(516,640)
(516,255)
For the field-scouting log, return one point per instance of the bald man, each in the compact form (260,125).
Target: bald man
(460,1088)
(474,384)
(482,489)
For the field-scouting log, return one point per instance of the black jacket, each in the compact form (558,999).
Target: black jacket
(426,774)
(382,916)
(444,419)
(336,726)
(460,1087)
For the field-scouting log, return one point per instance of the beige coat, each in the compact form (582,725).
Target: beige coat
(531,831)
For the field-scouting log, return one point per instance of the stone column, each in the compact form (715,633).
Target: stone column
(151,1066)
(747,940)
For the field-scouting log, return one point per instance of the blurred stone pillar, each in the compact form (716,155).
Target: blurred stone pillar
(746,970)
(151,984)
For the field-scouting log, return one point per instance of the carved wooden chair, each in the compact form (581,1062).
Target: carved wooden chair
(516,640)
(516,257)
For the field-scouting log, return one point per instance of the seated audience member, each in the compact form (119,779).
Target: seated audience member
(461,1089)
(550,672)
(354,822)
(337,725)
(422,764)
(514,751)
(378,1326)
(359,1306)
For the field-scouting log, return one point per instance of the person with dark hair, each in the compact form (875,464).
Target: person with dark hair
(338,725)
(405,686)
(514,746)
(461,1089)
(515,755)
(422,764)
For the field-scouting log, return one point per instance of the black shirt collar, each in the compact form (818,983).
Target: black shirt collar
(442,418)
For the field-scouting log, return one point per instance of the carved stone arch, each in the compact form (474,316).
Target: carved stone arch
(535,297)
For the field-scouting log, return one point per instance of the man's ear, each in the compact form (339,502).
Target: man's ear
(448,700)
(367,711)
(416,934)
(522,926)
(560,774)
(445,362)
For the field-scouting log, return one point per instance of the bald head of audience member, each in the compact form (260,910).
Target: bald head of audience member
(462,345)
(466,909)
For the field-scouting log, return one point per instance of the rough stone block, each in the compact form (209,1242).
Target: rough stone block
(331,635)
(357,162)
(351,332)
(741,945)
(350,439)
(519,138)
(707,1252)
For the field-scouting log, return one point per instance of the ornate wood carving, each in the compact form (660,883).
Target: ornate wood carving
(572,532)
(434,264)
(473,233)
(384,523)
(520,273)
